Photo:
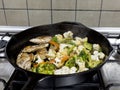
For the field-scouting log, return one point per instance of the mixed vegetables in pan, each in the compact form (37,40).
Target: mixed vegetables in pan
(60,54)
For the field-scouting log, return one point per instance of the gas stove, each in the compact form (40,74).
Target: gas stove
(107,78)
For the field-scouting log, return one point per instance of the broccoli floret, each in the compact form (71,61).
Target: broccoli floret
(88,46)
(46,68)
(69,49)
(93,63)
(71,62)
(84,56)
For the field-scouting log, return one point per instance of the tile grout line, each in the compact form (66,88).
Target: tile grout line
(99,22)
(75,10)
(4,12)
(63,9)
(51,12)
(27,12)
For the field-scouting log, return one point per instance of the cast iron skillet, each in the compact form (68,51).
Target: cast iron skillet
(20,40)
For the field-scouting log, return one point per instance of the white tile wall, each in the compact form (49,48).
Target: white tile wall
(1,6)
(88,18)
(63,4)
(38,17)
(89,4)
(59,16)
(2,18)
(111,19)
(15,4)
(37,12)
(17,17)
(39,4)
(111,5)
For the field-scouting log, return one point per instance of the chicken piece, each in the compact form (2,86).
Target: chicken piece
(41,39)
(24,60)
(42,53)
(34,48)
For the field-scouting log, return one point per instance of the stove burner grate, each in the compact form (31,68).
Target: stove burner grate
(2,45)
(19,78)
(3,42)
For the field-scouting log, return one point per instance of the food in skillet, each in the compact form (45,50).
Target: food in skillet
(60,54)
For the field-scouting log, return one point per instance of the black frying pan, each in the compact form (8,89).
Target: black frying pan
(20,40)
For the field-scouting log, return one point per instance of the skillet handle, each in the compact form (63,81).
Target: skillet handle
(32,81)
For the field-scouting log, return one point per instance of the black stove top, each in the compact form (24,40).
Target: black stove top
(18,80)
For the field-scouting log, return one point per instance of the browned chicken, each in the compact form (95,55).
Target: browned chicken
(24,60)
(42,53)
(34,48)
(41,39)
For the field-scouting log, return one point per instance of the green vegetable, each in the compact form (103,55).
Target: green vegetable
(84,55)
(55,39)
(71,62)
(46,68)
(88,46)
(93,63)
(34,69)
(69,49)
(67,40)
